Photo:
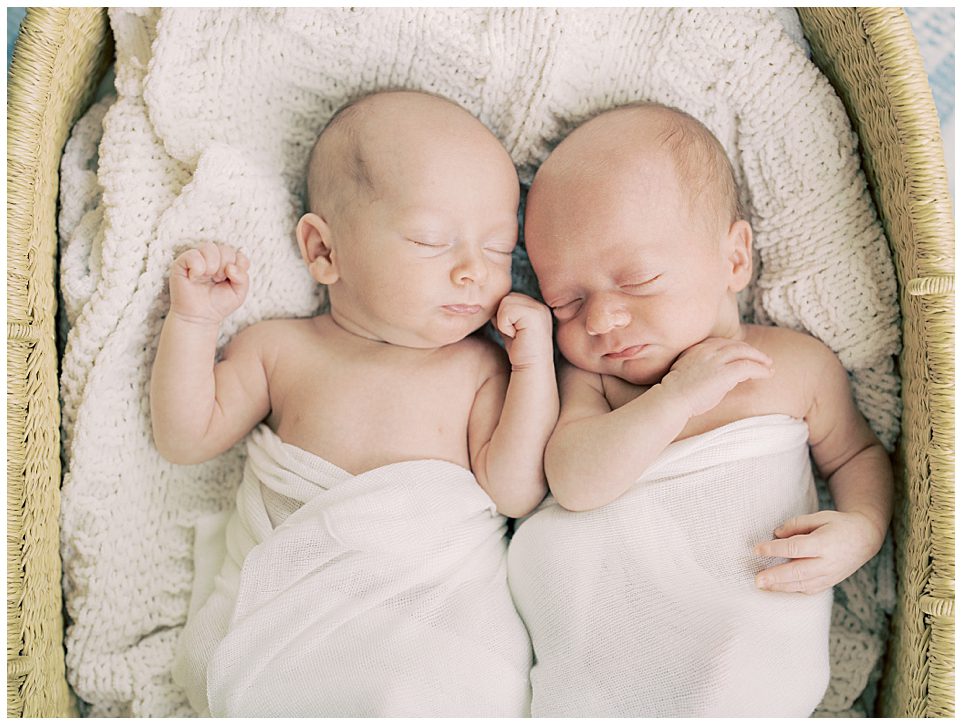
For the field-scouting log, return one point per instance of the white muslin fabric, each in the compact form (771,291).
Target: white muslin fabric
(647,607)
(380,594)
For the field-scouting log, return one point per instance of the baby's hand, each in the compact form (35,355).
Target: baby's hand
(208,283)
(829,547)
(525,326)
(704,373)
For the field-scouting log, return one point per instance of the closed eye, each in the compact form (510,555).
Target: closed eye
(429,248)
(642,284)
(566,310)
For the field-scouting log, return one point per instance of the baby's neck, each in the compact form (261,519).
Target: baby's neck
(358,336)
(343,324)
(729,324)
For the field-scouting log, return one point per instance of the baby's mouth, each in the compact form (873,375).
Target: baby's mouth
(625,353)
(462,309)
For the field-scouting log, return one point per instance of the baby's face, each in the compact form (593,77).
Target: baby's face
(428,258)
(633,277)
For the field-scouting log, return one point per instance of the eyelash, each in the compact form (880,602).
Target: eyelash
(559,310)
(642,284)
(506,252)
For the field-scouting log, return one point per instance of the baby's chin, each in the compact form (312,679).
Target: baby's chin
(631,371)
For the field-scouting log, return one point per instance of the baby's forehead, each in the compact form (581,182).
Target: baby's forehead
(645,144)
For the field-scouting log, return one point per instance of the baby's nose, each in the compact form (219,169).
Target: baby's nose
(470,269)
(605,315)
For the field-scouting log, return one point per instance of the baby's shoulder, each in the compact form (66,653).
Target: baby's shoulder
(267,338)
(271,331)
(790,347)
(801,362)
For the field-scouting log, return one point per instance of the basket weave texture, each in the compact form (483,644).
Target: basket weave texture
(871,57)
(58,58)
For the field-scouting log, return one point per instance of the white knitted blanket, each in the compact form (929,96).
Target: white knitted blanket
(383,594)
(207,139)
(647,607)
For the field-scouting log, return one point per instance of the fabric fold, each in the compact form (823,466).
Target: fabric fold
(647,607)
(381,594)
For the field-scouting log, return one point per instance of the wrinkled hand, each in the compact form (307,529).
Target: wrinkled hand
(525,326)
(208,283)
(704,374)
(826,547)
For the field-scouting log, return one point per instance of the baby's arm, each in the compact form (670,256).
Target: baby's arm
(831,545)
(513,415)
(199,409)
(595,453)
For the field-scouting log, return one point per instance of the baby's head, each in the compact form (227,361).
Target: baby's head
(634,231)
(412,219)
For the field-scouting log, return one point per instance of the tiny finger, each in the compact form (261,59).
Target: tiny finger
(789,577)
(505,325)
(794,547)
(236,275)
(807,586)
(193,263)
(742,370)
(804,524)
(211,256)
(743,351)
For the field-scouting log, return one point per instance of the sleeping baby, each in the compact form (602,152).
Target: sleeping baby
(680,566)
(364,568)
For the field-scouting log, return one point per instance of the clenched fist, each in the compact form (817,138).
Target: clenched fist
(525,326)
(208,283)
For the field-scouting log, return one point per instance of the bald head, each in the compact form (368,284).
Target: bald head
(629,145)
(355,152)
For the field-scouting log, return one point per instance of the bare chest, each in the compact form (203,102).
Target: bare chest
(364,411)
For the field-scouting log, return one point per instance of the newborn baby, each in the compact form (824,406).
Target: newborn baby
(683,440)
(364,571)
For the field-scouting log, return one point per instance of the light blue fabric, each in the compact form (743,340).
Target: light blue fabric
(14,16)
(935,30)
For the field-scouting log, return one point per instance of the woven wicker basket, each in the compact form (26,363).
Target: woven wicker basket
(871,57)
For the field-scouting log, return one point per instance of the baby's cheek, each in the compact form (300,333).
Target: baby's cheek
(500,282)
(573,343)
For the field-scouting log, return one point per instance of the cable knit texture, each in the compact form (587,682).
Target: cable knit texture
(207,139)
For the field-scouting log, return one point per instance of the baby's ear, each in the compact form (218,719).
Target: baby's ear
(739,251)
(314,239)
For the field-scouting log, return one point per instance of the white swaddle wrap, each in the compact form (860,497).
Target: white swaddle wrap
(381,594)
(647,606)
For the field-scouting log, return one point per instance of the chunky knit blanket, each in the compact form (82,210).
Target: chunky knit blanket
(207,139)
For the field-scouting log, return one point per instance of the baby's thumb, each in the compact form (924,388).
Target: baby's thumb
(237,277)
(505,323)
